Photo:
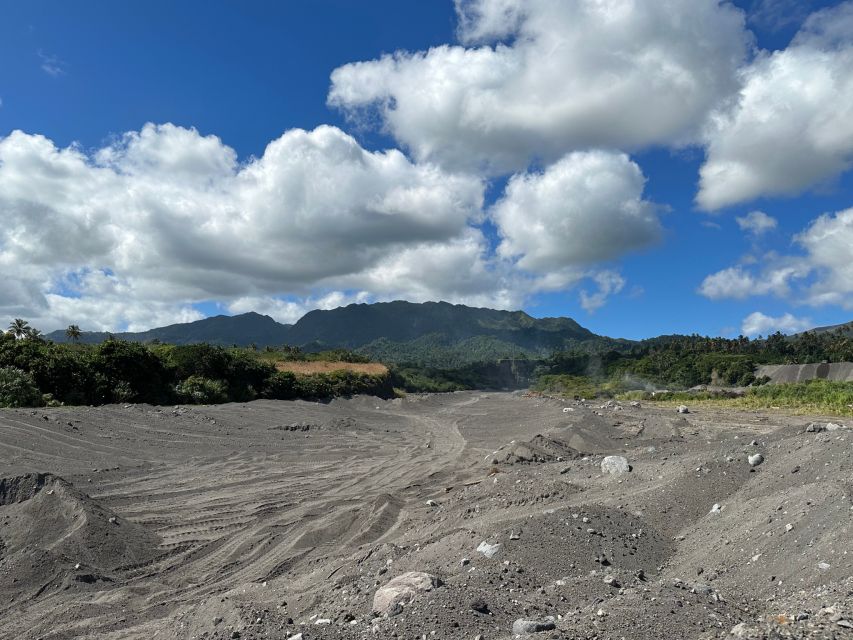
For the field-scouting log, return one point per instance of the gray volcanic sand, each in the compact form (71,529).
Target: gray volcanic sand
(258,520)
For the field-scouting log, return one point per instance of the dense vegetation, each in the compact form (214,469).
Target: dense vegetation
(681,362)
(34,371)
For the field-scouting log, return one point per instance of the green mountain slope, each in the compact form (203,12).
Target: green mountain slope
(437,333)
(243,330)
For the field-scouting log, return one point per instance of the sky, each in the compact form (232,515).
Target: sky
(644,168)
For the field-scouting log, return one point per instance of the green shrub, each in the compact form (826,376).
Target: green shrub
(132,372)
(18,389)
(281,385)
(199,390)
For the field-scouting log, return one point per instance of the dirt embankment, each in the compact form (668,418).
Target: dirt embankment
(270,519)
(307,368)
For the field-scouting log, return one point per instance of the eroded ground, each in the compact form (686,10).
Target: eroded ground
(260,519)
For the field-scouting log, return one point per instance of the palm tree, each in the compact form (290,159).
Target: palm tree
(73,333)
(19,328)
(33,334)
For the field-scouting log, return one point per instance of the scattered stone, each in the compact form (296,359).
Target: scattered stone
(389,599)
(479,605)
(716,509)
(514,536)
(488,550)
(611,581)
(789,527)
(831,426)
(683,409)
(755,459)
(431,503)
(113,520)
(464,562)
(615,464)
(524,627)
(814,427)
(823,566)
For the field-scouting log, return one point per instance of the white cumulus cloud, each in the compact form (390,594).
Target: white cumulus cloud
(791,126)
(609,283)
(128,235)
(757,323)
(540,78)
(821,274)
(757,223)
(586,208)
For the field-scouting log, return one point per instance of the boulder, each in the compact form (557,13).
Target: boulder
(615,464)
(755,460)
(487,549)
(390,598)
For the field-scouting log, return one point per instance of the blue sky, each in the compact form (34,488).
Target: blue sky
(101,226)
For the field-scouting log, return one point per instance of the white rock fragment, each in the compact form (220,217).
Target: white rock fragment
(389,599)
(716,509)
(683,409)
(488,550)
(755,459)
(615,464)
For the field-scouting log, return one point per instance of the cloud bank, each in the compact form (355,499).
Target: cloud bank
(132,234)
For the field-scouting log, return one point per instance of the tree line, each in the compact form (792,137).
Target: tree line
(687,361)
(34,371)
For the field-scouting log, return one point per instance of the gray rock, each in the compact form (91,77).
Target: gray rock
(389,599)
(755,460)
(615,464)
(682,409)
(523,627)
(488,550)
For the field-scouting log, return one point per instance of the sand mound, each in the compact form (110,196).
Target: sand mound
(539,448)
(49,528)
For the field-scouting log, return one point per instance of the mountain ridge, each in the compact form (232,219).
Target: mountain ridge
(394,331)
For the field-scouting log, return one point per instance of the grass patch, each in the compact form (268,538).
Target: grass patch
(814,396)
